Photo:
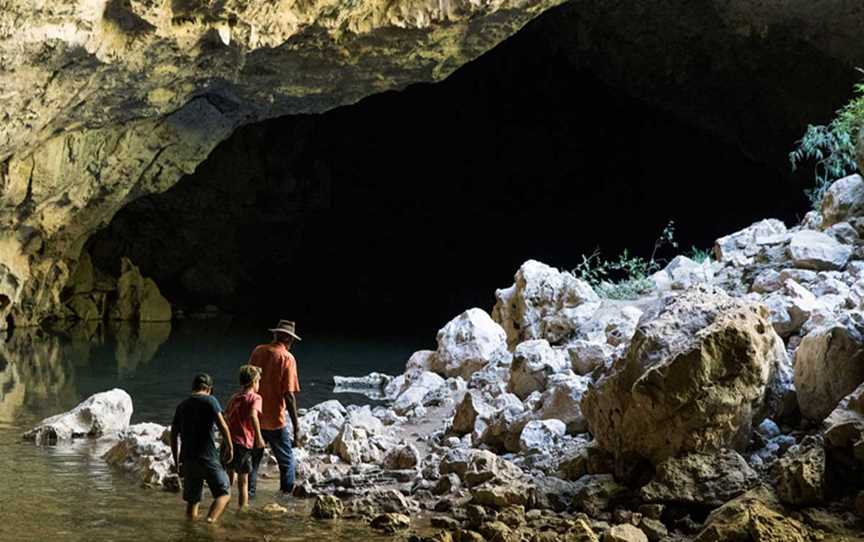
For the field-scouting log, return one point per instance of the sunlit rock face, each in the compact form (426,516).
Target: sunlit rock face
(103,101)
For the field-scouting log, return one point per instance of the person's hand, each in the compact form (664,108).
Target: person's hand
(259,443)
(178,468)
(227,454)
(296,443)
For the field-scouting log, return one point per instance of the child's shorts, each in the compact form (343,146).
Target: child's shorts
(242,461)
(196,472)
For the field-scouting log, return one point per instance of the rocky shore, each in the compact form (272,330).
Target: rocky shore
(726,405)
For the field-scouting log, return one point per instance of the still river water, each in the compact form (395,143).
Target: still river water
(67,492)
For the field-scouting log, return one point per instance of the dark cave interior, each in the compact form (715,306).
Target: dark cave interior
(400,211)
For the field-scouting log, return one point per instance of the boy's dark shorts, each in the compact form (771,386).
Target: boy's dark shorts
(196,472)
(242,462)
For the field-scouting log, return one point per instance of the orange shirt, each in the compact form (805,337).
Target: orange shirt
(278,377)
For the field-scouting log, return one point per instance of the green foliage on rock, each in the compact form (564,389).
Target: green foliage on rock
(831,146)
(628,276)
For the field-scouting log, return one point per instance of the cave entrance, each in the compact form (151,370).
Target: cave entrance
(408,207)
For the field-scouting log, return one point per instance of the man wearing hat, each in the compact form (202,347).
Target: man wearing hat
(279,384)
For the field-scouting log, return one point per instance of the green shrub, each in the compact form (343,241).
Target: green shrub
(699,255)
(627,276)
(832,147)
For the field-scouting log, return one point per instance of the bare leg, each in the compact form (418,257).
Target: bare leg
(230,477)
(192,511)
(243,489)
(217,508)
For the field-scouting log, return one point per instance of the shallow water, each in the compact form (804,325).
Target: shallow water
(67,492)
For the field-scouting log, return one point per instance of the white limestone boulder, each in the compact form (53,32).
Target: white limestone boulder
(790,307)
(321,423)
(563,401)
(740,247)
(693,379)
(534,361)
(468,343)
(144,453)
(682,273)
(371,385)
(415,394)
(532,306)
(818,251)
(829,364)
(843,429)
(100,414)
(844,199)
(541,436)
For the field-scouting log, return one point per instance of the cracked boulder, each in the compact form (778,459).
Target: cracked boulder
(829,364)
(468,343)
(533,307)
(693,379)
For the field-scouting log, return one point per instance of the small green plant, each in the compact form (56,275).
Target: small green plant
(832,147)
(628,276)
(699,255)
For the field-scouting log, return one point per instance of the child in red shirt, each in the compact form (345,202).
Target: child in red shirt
(243,411)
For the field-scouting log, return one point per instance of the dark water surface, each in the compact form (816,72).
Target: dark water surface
(67,492)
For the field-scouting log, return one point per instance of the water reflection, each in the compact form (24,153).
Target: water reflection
(67,492)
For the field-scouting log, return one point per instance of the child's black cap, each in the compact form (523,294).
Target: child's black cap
(202,381)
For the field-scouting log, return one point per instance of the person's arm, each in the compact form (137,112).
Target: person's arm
(291,402)
(175,433)
(175,449)
(256,423)
(227,445)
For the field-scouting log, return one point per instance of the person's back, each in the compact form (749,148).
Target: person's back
(279,384)
(278,377)
(195,419)
(197,459)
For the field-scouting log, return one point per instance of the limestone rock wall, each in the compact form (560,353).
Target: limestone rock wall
(104,101)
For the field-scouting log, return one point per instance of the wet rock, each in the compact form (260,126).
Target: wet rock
(844,199)
(624,533)
(413,396)
(815,250)
(143,452)
(540,436)
(799,475)
(138,298)
(327,507)
(371,385)
(100,414)
(829,364)
(402,457)
(379,501)
(740,247)
(468,343)
(391,523)
(274,510)
(756,515)
(703,479)
(563,401)
(693,379)
(534,361)
(531,308)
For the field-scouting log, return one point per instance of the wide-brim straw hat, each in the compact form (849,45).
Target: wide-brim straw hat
(286,326)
